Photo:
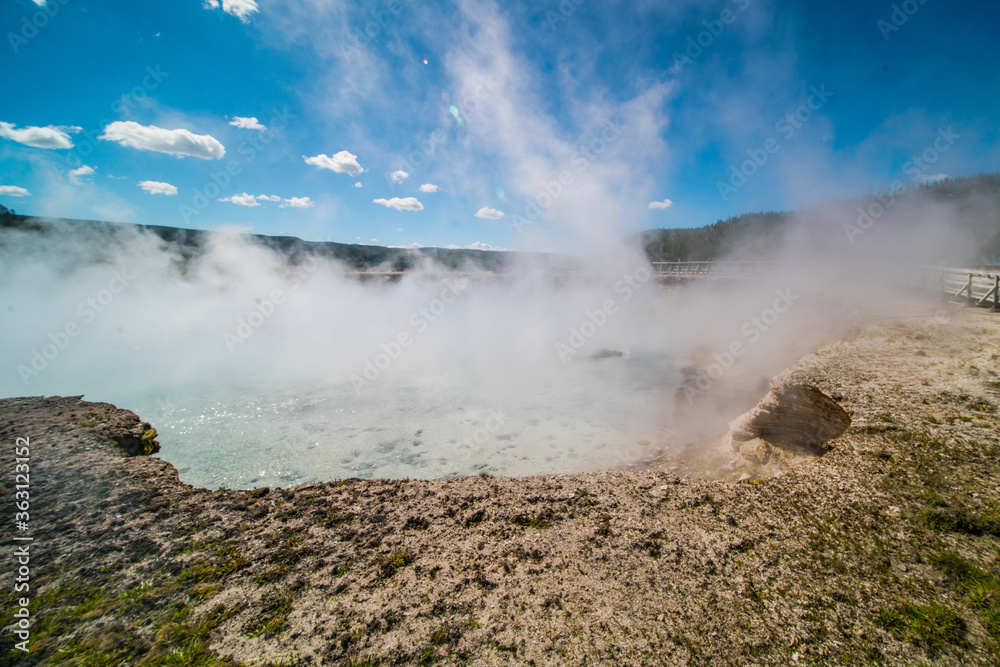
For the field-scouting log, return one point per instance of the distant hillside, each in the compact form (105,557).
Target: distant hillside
(973,202)
(976,200)
(189,243)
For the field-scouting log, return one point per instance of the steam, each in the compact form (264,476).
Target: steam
(244,359)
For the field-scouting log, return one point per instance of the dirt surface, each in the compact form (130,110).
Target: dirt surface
(885,550)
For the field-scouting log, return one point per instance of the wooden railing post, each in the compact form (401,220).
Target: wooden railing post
(968,292)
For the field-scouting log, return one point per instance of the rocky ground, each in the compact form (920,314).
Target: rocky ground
(886,550)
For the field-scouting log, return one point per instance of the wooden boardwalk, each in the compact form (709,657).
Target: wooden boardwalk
(973,287)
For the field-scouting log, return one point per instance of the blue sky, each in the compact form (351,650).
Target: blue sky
(543,125)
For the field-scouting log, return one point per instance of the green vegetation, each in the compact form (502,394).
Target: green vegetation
(171,637)
(963,520)
(273,618)
(932,626)
(148,446)
(980,588)
(389,564)
(757,236)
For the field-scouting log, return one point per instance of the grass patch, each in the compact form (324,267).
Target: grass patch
(980,588)
(394,561)
(962,520)
(273,618)
(543,519)
(932,626)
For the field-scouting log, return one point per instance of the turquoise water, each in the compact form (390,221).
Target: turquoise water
(591,416)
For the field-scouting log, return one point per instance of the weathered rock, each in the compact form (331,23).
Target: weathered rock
(792,416)
(129,433)
(755,449)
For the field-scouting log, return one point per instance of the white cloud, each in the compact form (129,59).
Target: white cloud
(660,205)
(406,204)
(358,185)
(242,200)
(478,245)
(489,213)
(297,202)
(255,200)
(246,123)
(158,188)
(172,142)
(50,136)
(924,178)
(13,191)
(241,9)
(77,175)
(399,176)
(341,163)
(429,187)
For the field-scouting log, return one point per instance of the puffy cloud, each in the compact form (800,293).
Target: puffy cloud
(406,204)
(489,213)
(478,245)
(158,188)
(242,200)
(246,123)
(341,163)
(358,185)
(429,187)
(13,191)
(660,205)
(77,175)
(50,136)
(172,142)
(399,176)
(241,9)
(255,200)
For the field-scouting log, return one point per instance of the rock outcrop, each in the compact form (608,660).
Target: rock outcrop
(793,416)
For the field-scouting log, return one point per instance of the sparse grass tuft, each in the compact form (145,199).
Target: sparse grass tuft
(932,626)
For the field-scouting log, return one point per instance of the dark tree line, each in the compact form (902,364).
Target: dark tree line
(757,236)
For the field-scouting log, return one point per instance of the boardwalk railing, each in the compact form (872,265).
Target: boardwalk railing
(973,287)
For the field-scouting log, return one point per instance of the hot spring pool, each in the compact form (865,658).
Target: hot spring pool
(591,416)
